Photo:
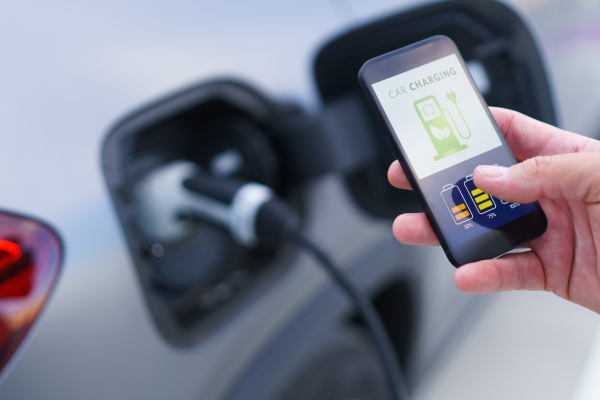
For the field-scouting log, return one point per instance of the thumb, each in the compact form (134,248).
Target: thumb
(573,177)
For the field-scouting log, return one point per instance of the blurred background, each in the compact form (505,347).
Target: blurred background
(94,95)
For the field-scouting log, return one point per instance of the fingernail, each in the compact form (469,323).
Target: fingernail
(492,171)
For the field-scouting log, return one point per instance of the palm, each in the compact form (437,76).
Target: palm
(565,259)
(567,253)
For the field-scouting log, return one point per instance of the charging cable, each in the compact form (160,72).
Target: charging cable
(358,296)
(452,97)
(251,212)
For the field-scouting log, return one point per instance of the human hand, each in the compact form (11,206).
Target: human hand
(561,170)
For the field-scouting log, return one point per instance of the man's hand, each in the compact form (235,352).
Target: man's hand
(562,171)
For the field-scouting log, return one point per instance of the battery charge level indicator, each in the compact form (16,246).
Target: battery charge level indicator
(455,201)
(502,201)
(483,201)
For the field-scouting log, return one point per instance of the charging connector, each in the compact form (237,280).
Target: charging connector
(168,194)
(252,213)
(451,95)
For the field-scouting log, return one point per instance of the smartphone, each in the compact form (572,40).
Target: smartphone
(440,128)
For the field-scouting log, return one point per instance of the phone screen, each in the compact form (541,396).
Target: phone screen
(445,132)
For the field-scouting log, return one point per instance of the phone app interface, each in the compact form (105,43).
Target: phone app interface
(445,131)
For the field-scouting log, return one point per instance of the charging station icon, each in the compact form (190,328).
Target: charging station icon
(435,121)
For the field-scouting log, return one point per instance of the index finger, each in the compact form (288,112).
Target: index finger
(397,177)
(528,138)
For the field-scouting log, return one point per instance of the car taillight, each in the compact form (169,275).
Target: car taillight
(30,255)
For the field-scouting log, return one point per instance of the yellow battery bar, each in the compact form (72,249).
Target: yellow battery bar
(476,191)
(458,208)
(485,205)
(481,198)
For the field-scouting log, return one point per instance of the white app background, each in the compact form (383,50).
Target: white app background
(411,131)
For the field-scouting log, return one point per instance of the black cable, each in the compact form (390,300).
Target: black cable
(275,220)
(362,302)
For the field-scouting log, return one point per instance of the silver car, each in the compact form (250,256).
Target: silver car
(97,96)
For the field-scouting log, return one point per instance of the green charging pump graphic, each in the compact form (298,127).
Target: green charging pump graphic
(438,127)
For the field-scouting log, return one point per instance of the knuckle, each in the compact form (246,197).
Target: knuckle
(537,166)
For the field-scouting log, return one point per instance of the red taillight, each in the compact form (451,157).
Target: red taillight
(10,252)
(30,254)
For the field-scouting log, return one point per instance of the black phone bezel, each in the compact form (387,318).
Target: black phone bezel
(491,244)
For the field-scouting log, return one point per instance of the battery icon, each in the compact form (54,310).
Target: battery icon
(455,201)
(502,201)
(483,201)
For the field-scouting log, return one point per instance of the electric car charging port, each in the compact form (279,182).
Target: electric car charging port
(194,273)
